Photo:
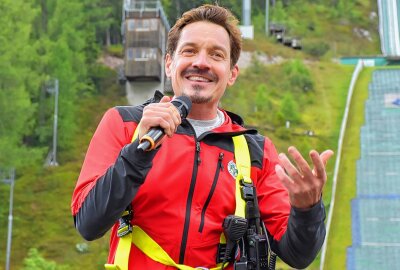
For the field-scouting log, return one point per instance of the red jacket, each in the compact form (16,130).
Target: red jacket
(181,192)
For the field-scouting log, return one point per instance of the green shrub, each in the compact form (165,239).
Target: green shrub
(288,110)
(35,261)
(316,49)
(299,76)
(283,133)
(115,50)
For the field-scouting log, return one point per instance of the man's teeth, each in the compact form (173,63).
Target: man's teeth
(197,78)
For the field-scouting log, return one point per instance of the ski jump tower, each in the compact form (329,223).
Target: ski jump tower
(144,33)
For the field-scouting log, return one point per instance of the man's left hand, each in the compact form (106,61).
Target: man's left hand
(303,183)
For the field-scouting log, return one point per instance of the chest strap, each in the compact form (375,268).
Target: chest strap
(149,247)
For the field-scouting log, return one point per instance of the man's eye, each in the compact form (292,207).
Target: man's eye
(188,51)
(218,55)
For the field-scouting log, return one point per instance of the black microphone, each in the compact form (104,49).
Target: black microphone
(149,141)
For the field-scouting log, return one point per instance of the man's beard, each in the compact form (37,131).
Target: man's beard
(197,98)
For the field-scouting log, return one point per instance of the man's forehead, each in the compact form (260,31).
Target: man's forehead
(204,26)
(203,31)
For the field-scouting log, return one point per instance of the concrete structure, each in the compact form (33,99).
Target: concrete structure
(144,30)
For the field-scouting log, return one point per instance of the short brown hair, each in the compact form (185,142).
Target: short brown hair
(214,14)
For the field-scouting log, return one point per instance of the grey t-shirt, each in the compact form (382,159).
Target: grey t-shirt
(201,126)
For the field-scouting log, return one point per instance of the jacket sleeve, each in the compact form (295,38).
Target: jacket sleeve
(296,235)
(112,172)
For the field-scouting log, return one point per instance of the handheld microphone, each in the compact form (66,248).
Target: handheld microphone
(154,135)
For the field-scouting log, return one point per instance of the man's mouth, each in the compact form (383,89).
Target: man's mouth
(199,75)
(195,78)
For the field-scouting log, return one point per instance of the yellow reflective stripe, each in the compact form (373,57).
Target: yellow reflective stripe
(243,164)
(136,133)
(152,250)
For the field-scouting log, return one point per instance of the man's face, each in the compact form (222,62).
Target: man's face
(200,67)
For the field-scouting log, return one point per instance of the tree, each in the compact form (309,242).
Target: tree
(16,80)
(299,76)
(262,101)
(69,49)
(35,261)
(288,110)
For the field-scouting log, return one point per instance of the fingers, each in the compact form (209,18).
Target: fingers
(173,111)
(326,155)
(304,184)
(285,179)
(291,170)
(320,161)
(301,163)
(163,114)
(165,99)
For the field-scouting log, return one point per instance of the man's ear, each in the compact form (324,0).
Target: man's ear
(234,75)
(168,63)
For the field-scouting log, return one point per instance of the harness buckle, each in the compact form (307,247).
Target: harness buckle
(124,229)
(125,226)
(247,190)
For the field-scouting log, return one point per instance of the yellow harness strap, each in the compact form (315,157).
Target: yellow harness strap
(149,247)
(243,164)
(122,254)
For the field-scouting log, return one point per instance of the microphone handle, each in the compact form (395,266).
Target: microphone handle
(148,142)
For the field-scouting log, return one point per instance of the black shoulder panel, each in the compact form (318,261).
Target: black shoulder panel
(256,147)
(130,113)
(235,118)
(219,140)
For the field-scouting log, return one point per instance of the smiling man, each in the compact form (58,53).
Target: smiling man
(178,199)
(200,66)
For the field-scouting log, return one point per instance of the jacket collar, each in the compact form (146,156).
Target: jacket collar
(233,124)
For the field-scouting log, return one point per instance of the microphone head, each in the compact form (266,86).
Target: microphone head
(183,104)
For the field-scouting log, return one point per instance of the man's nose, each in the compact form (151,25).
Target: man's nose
(202,61)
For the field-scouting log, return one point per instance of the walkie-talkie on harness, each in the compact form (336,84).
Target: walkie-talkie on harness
(251,236)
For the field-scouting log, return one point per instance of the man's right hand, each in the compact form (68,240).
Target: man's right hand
(163,114)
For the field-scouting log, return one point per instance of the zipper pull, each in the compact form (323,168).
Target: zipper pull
(220,158)
(198,150)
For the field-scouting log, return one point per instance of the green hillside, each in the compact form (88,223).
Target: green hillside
(66,38)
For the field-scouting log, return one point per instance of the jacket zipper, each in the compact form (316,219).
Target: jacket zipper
(214,185)
(197,161)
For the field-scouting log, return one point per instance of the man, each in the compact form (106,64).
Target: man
(182,191)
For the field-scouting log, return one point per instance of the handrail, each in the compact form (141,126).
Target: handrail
(130,5)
